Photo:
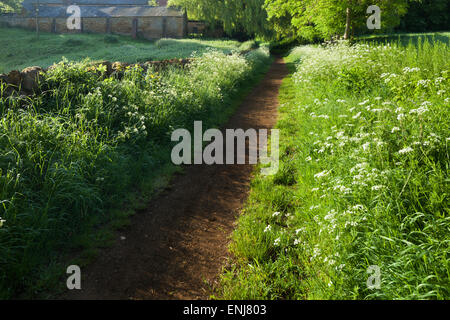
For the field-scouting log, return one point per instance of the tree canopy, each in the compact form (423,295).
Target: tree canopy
(245,16)
(10,5)
(324,18)
(306,19)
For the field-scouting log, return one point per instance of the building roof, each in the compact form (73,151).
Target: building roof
(30,4)
(91,11)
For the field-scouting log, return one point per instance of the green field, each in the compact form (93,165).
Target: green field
(21,48)
(363,180)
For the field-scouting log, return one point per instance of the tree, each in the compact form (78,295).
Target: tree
(10,5)
(247,16)
(324,18)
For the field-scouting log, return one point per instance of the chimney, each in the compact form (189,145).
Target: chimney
(162,3)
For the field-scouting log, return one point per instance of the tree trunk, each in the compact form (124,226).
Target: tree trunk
(348,25)
(353,30)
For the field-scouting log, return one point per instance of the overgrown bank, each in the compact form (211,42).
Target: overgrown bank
(70,156)
(362,182)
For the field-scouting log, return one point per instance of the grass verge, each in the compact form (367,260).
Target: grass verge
(362,190)
(90,150)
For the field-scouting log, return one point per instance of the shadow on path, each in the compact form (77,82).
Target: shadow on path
(176,247)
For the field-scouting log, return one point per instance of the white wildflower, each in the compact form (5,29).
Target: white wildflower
(364,102)
(406,150)
(356,116)
(322,174)
(277,242)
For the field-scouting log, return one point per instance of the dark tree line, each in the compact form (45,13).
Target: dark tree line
(426,15)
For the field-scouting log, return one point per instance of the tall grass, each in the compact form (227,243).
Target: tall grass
(70,155)
(363,180)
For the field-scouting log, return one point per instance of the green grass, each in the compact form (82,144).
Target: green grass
(363,180)
(21,48)
(406,38)
(90,150)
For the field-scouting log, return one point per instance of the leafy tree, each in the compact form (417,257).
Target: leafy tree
(245,16)
(10,5)
(324,18)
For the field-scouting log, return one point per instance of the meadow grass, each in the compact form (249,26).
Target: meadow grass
(21,48)
(76,156)
(363,180)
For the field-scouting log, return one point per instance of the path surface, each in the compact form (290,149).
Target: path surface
(176,248)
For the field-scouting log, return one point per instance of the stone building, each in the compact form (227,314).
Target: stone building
(134,17)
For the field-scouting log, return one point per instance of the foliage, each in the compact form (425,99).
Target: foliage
(363,180)
(236,16)
(10,5)
(69,155)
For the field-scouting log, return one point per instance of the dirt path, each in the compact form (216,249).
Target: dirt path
(175,249)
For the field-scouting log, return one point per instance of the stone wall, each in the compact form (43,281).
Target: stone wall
(26,82)
(94,25)
(145,27)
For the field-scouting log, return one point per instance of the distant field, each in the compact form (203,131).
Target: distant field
(20,48)
(405,38)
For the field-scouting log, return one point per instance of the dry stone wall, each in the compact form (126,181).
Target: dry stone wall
(26,82)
